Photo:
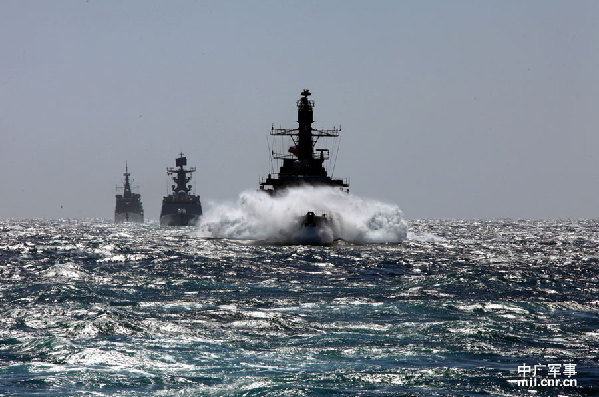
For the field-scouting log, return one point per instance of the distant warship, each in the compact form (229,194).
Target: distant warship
(128,205)
(303,165)
(180,208)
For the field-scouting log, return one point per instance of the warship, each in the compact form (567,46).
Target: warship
(303,164)
(128,205)
(180,208)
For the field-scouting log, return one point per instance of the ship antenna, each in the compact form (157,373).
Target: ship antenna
(270,151)
(336,154)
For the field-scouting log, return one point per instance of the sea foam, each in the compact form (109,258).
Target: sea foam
(259,216)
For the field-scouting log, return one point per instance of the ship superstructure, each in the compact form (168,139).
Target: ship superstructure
(128,205)
(304,163)
(181,207)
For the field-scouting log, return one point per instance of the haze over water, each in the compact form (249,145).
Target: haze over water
(460,109)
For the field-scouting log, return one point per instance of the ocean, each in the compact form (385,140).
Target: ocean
(457,308)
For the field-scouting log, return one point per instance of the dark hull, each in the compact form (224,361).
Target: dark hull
(128,209)
(178,220)
(120,217)
(186,212)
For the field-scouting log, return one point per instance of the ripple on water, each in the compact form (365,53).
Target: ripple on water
(93,308)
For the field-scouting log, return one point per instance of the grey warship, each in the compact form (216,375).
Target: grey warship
(303,164)
(180,208)
(128,205)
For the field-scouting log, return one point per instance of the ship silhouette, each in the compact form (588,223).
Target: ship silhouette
(180,208)
(128,205)
(303,165)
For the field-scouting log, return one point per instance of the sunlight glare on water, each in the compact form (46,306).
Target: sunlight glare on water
(92,308)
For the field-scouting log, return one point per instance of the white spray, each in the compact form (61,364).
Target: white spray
(259,216)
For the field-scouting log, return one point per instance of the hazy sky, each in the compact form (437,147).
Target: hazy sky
(449,109)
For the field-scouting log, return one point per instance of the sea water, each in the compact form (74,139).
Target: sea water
(458,308)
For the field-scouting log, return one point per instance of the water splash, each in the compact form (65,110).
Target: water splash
(258,216)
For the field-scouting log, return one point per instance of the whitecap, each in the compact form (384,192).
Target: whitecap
(259,216)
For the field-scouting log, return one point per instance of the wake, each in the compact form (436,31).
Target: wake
(277,219)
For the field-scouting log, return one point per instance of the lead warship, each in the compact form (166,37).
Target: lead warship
(180,208)
(303,164)
(128,205)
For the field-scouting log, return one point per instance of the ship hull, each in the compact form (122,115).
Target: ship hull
(121,217)
(314,230)
(178,220)
(128,209)
(183,213)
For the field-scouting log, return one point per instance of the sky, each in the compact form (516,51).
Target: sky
(449,109)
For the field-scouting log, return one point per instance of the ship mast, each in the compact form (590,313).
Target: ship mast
(305,118)
(181,177)
(127,187)
(305,136)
